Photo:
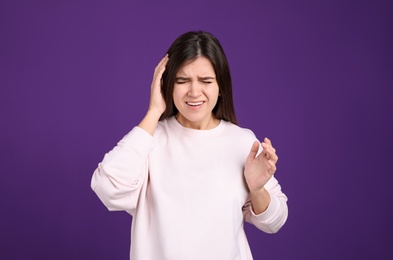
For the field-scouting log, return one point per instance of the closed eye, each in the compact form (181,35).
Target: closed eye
(207,80)
(182,80)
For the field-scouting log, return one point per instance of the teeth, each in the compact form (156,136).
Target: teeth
(194,103)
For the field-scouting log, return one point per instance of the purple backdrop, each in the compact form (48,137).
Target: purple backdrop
(314,76)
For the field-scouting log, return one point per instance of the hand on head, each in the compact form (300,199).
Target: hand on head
(157,102)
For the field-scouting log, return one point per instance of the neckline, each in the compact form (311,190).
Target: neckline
(195,132)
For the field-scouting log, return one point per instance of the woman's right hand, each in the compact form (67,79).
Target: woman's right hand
(157,102)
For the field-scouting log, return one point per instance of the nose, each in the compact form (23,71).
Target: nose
(194,89)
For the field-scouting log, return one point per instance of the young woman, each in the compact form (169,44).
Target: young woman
(187,173)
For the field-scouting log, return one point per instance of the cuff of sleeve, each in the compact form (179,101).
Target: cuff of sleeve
(269,213)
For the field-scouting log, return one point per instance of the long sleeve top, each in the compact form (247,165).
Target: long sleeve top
(186,191)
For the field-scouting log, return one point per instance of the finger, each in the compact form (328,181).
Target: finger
(253,151)
(163,60)
(273,156)
(272,169)
(157,80)
(161,65)
(268,146)
(267,140)
(270,154)
(159,72)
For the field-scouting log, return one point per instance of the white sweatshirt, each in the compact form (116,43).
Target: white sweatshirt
(186,191)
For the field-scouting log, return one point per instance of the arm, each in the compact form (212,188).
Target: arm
(276,213)
(119,178)
(267,204)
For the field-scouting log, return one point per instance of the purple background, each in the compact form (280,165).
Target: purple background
(314,76)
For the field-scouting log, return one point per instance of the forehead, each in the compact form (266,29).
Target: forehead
(201,66)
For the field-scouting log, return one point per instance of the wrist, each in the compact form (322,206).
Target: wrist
(149,122)
(153,114)
(260,200)
(258,192)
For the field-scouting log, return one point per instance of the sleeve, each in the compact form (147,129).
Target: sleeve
(274,217)
(119,178)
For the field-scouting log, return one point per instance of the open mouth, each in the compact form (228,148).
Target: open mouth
(194,104)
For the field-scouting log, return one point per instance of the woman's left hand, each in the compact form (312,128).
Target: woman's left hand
(259,169)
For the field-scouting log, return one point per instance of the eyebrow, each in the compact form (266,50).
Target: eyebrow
(201,78)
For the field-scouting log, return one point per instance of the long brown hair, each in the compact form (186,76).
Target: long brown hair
(186,48)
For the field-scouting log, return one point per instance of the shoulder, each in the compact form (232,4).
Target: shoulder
(163,127)
(238,132)
(238,140)
(241,138)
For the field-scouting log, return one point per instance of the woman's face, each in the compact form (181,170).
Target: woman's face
(195,94)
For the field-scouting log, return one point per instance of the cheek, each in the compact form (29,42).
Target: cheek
(177,96)
(214,93)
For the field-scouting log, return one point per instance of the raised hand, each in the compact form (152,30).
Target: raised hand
(157,102)
(259,169)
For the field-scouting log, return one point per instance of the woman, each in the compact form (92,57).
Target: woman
(187,173)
